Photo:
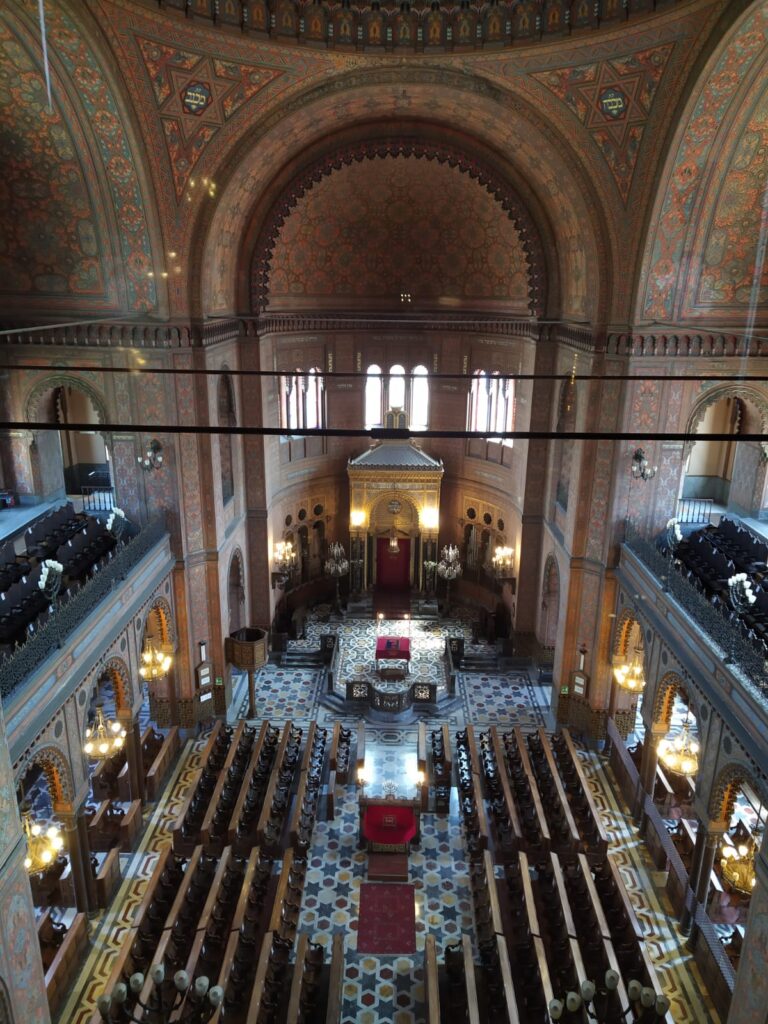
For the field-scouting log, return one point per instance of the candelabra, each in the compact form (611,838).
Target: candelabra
(641,467)
(449,568)
(630,676)
(182,1002)
(740,592)
(738,865)
(673,534)
(152,458)
(336,566)
(429,576)
(644,1003)
(51,574)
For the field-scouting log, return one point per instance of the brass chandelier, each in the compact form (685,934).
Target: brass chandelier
(738,865)
(103,739)
(680,755)
(154,662)
(630,676)
(44,843)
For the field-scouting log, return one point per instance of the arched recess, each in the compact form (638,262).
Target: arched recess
(726,789)
(415,158)
(236,591)
(548,171)
(116,672)
(745,392)
(667,688)
(159,624)
(625,623)
(67,460)
(550,603)
(57,770)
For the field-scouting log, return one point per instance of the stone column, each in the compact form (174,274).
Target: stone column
(750,994)
(708,838)
(133,754)
(648,765)
(78,867)
(85,853)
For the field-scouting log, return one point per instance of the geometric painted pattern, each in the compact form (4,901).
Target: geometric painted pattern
(196,94)
(613,100)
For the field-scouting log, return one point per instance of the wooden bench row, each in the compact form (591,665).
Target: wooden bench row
(109,826)
(63,950)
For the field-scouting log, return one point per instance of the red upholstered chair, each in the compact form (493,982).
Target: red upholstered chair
(388,827)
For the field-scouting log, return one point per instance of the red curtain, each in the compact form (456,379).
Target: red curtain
(392,571)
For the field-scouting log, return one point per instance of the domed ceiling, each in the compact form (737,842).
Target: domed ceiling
(377,229)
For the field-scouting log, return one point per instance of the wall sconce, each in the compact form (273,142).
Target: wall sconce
(503,563)
(357,518)
(641,468)
(283,564)
(153,459)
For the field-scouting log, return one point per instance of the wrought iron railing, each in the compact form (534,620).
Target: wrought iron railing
(98,499)
(695,510)
(17,667)
(737,651)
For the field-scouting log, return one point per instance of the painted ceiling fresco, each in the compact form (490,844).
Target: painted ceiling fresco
(705,245)
(67,171)
(376,229)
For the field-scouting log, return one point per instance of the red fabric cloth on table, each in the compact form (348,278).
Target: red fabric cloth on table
(394,647)
(389,825)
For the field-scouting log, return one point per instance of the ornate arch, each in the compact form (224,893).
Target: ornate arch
(727,786)
(746,392)
(623,630)
(117,670)
(375,515)
(58,772)
(64,380)
(664,697)
(165,617)
(550,600)
(372,149)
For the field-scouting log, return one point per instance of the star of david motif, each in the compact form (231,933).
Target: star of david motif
(613,100)
(196,94)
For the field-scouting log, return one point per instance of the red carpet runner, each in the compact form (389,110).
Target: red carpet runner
(387,921)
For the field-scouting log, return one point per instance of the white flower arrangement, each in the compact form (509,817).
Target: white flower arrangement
(49,566)
(674,526)
(116,513)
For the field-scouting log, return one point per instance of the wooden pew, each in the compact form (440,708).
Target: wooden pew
(474,758)
(254,1005)
(159,770)
(294,996)
(277,907)
(482,817)
(253,761)
(334,751)
(541,818)
(64,963)
(601,847)
(605,931)
(123,966)
(509,800)
(330,796)
(335,981)
(421,764)
(108,878)
(266,809)
(506,977)
(493,893)
(152,884)
(308,745)
(623,895)
(530,903)
(182,844)
(573,828)
(130,826)
(431,988)
(222,780)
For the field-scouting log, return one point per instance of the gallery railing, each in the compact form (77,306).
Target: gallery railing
(738,652)
(17,667)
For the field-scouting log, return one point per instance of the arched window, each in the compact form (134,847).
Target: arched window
(373,397)
(491,405)
(420,398)
(302,403)
(396,387)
